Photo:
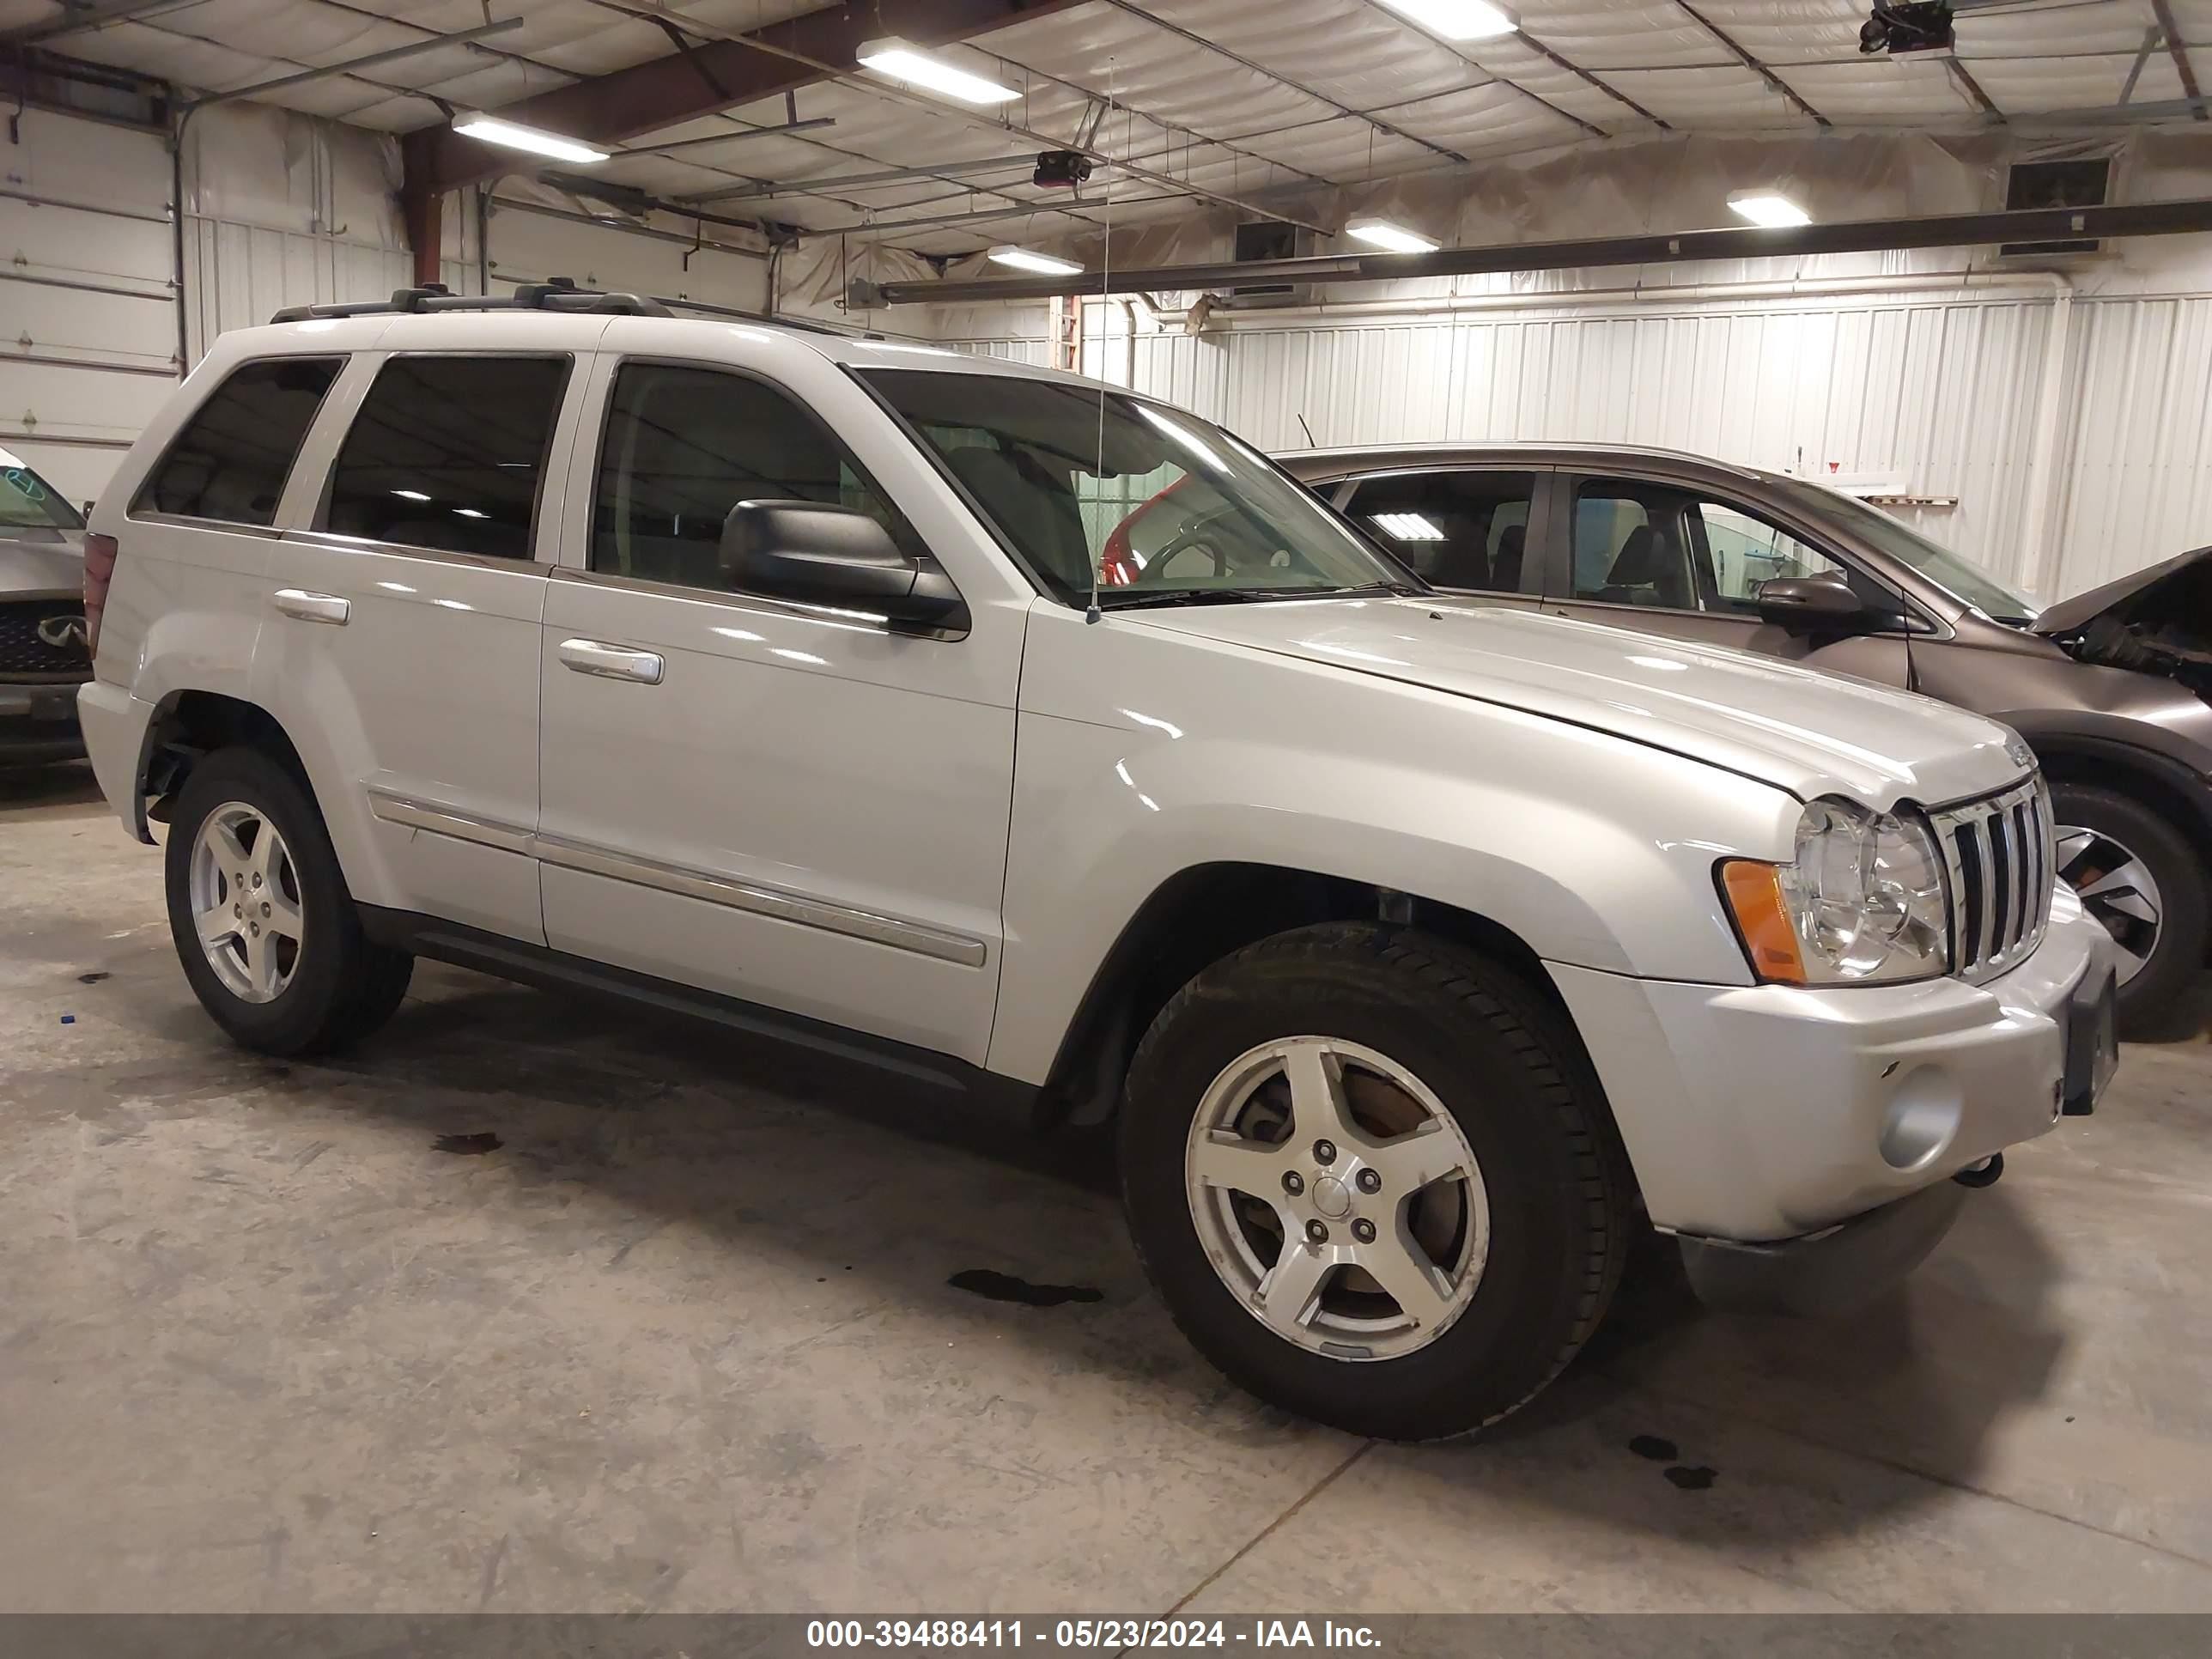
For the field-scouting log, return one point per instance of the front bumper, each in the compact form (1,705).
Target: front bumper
(38,720)
(1763,1113)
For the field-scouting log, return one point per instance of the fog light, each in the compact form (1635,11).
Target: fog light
(1923,1116)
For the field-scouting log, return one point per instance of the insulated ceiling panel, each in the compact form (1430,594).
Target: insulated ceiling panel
(1872,92)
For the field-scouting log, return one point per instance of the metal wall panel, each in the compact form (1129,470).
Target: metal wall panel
(2139,453)
(1938,392)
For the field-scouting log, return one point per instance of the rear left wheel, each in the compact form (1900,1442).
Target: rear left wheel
(263,925)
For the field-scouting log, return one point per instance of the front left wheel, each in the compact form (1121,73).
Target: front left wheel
(1374,1180)
(263,925)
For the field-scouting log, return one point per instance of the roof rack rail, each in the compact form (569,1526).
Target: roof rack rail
(553,294)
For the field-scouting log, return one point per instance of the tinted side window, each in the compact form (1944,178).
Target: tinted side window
(683,445)
(447,453)
(1458,529)
(230,461)
(1631,545)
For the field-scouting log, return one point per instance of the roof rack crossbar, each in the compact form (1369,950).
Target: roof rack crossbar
(555,293)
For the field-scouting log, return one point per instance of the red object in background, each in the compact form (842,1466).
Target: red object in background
(1118,565)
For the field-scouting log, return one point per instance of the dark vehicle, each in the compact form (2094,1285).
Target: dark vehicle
(43,658)
(2112,688)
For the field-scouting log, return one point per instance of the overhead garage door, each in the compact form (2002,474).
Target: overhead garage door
(87,312)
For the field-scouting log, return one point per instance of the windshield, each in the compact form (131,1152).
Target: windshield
(1955,574)
(29,502)
(1163,507)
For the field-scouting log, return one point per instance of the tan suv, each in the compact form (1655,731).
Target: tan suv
(2100,685)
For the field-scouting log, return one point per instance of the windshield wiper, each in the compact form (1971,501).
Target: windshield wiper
(1129,600)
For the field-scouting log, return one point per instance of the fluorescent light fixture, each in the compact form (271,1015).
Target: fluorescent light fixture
(901,60)
(1391,239)
(1763,207)
(1458,20)
(1406,526)
(493,131)
(410,494)
(470,512)
(1044,264)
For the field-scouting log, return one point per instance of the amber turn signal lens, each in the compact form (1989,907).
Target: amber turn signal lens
(1754,896)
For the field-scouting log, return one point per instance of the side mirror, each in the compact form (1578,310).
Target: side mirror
(1812,604)
(837,556)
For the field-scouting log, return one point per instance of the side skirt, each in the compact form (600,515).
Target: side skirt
(535,964)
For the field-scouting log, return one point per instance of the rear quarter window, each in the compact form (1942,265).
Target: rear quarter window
(230,462)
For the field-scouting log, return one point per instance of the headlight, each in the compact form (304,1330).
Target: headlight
(1861,903)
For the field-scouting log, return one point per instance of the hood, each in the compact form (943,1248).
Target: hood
(41,562)
(2158,620)
(2132,594)
(1808,733)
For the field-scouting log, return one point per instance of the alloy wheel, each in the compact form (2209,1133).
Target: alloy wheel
(1337,1199)
(2116,888)
(245,895)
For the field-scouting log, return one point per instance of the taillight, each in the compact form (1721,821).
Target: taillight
(99,570)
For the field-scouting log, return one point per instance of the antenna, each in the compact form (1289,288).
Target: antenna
(1307,430)
(1105,282)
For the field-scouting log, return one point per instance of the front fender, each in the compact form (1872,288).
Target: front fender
(1595,850)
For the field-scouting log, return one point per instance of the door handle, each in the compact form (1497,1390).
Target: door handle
(610,662)
(313,607)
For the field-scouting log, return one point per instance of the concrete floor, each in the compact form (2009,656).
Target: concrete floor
(684,1341)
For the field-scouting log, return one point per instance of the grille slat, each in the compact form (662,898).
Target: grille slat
(1998,855)
(21,650)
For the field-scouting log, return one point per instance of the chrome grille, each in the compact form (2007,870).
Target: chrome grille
(1999,855)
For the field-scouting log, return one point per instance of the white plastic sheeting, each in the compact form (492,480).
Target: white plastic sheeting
(282,210)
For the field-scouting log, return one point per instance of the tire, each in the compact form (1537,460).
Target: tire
(334,986)
(2158,999)
(1505,1069)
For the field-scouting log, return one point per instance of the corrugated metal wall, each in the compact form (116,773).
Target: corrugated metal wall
(1938,392)
(2138,450)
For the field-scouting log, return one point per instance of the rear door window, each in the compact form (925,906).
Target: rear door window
(449,453)
(1459,528)
(230,462)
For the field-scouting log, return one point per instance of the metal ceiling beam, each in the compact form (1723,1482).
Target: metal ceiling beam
(935,219)
(2180,53)
(1858,236)
(1972,88)
(1282,80)
(1774,81)
(736,135)
(412,49)
(94,16)
(762,192)
(664,92)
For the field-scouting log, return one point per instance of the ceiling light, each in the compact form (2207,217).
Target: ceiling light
(903,61)
(493,131)
(410,494)
(1406,526)
(1044,264)
(1458,20)
(1391,239)
(1763,207)
(472,513)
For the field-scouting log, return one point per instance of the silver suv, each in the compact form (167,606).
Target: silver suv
(43,657)
(1425,952)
